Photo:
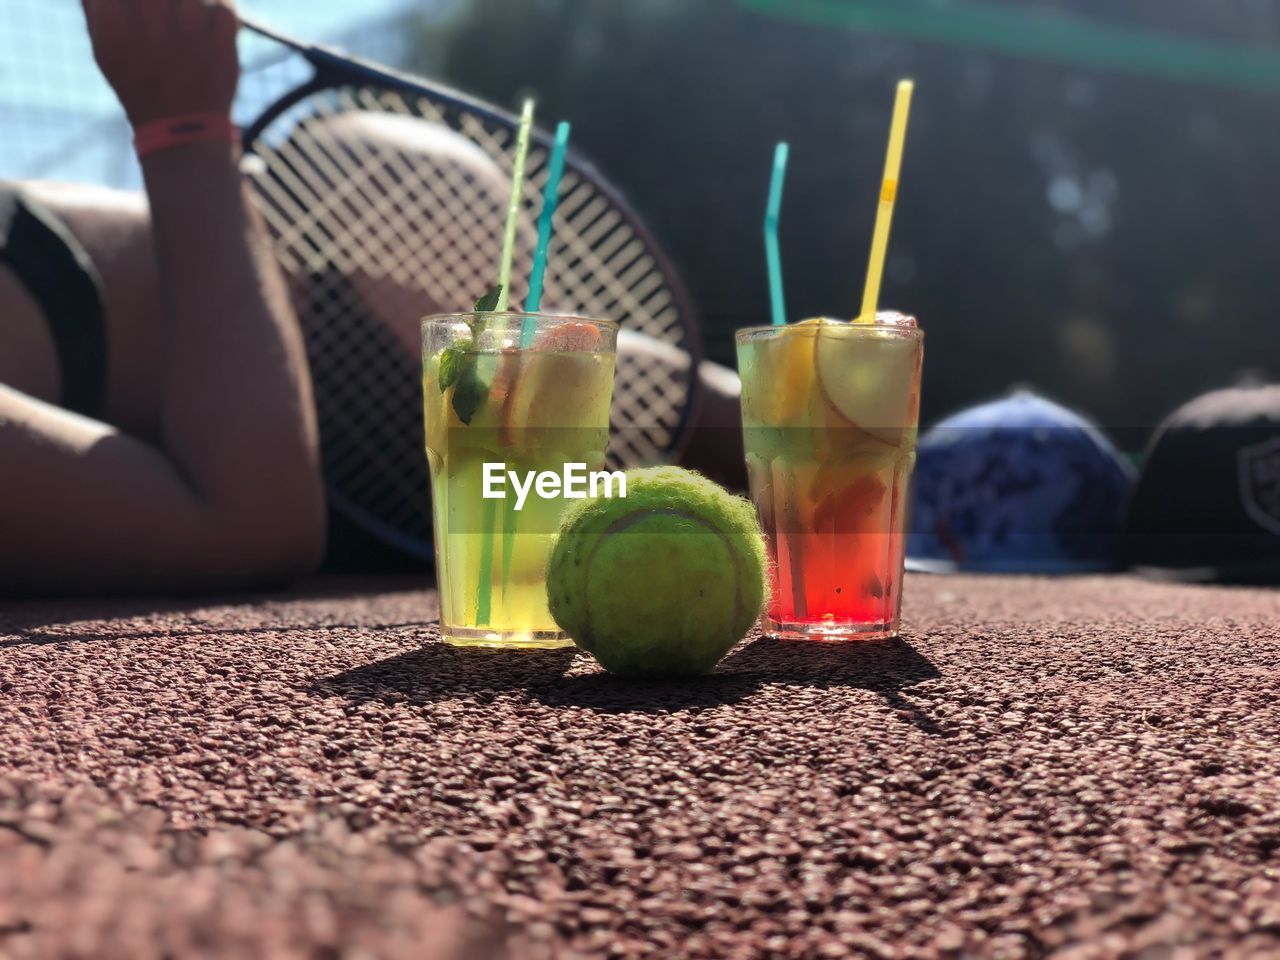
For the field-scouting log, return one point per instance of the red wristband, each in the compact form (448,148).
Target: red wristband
(179,131)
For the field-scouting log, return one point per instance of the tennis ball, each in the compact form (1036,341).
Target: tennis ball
(663,582)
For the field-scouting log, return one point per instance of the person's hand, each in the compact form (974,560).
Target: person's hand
(165,58)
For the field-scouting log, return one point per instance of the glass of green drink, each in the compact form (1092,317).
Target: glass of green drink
(516,407)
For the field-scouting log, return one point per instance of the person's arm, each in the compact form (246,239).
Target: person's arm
(231,496)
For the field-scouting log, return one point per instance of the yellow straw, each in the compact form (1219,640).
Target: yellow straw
(888,193)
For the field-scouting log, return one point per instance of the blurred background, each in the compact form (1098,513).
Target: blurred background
(1091,192)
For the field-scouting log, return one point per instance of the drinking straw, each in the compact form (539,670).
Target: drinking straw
(529,326)
(484,587)
(513,205)
(888,193)
(771,255)
(550,199)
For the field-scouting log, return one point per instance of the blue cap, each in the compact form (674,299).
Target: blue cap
(1017,485)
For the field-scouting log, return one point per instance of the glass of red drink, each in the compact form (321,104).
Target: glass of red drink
(830,410)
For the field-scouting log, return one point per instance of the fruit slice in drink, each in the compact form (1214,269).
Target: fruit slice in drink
(869,387)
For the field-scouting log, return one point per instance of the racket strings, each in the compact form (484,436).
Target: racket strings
(354,218)
(365,397)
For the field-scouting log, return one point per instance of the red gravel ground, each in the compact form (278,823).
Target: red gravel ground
(1069,768)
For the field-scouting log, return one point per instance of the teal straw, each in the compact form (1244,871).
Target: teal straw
(550,198)
(529,326)
(772,257)
(484,586)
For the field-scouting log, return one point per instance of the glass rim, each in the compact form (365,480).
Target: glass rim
(440,319)
(890,330)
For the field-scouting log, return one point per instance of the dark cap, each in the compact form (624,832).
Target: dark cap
(1207,505)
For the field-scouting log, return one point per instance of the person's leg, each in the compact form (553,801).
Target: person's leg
(715,430)
(712,443)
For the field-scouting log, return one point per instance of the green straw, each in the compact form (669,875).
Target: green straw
(772,257)
(550,199)
(484,588)
(513,205)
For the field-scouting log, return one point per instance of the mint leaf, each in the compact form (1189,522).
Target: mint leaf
(470,391)
(489,302)
(452,360)
(464,372)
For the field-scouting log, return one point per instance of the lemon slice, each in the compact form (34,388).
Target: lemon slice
(786,373)
(869,378)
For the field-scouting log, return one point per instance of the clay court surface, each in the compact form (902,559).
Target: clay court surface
(1069,768)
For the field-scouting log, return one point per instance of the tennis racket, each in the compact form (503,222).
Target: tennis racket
(385,196)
